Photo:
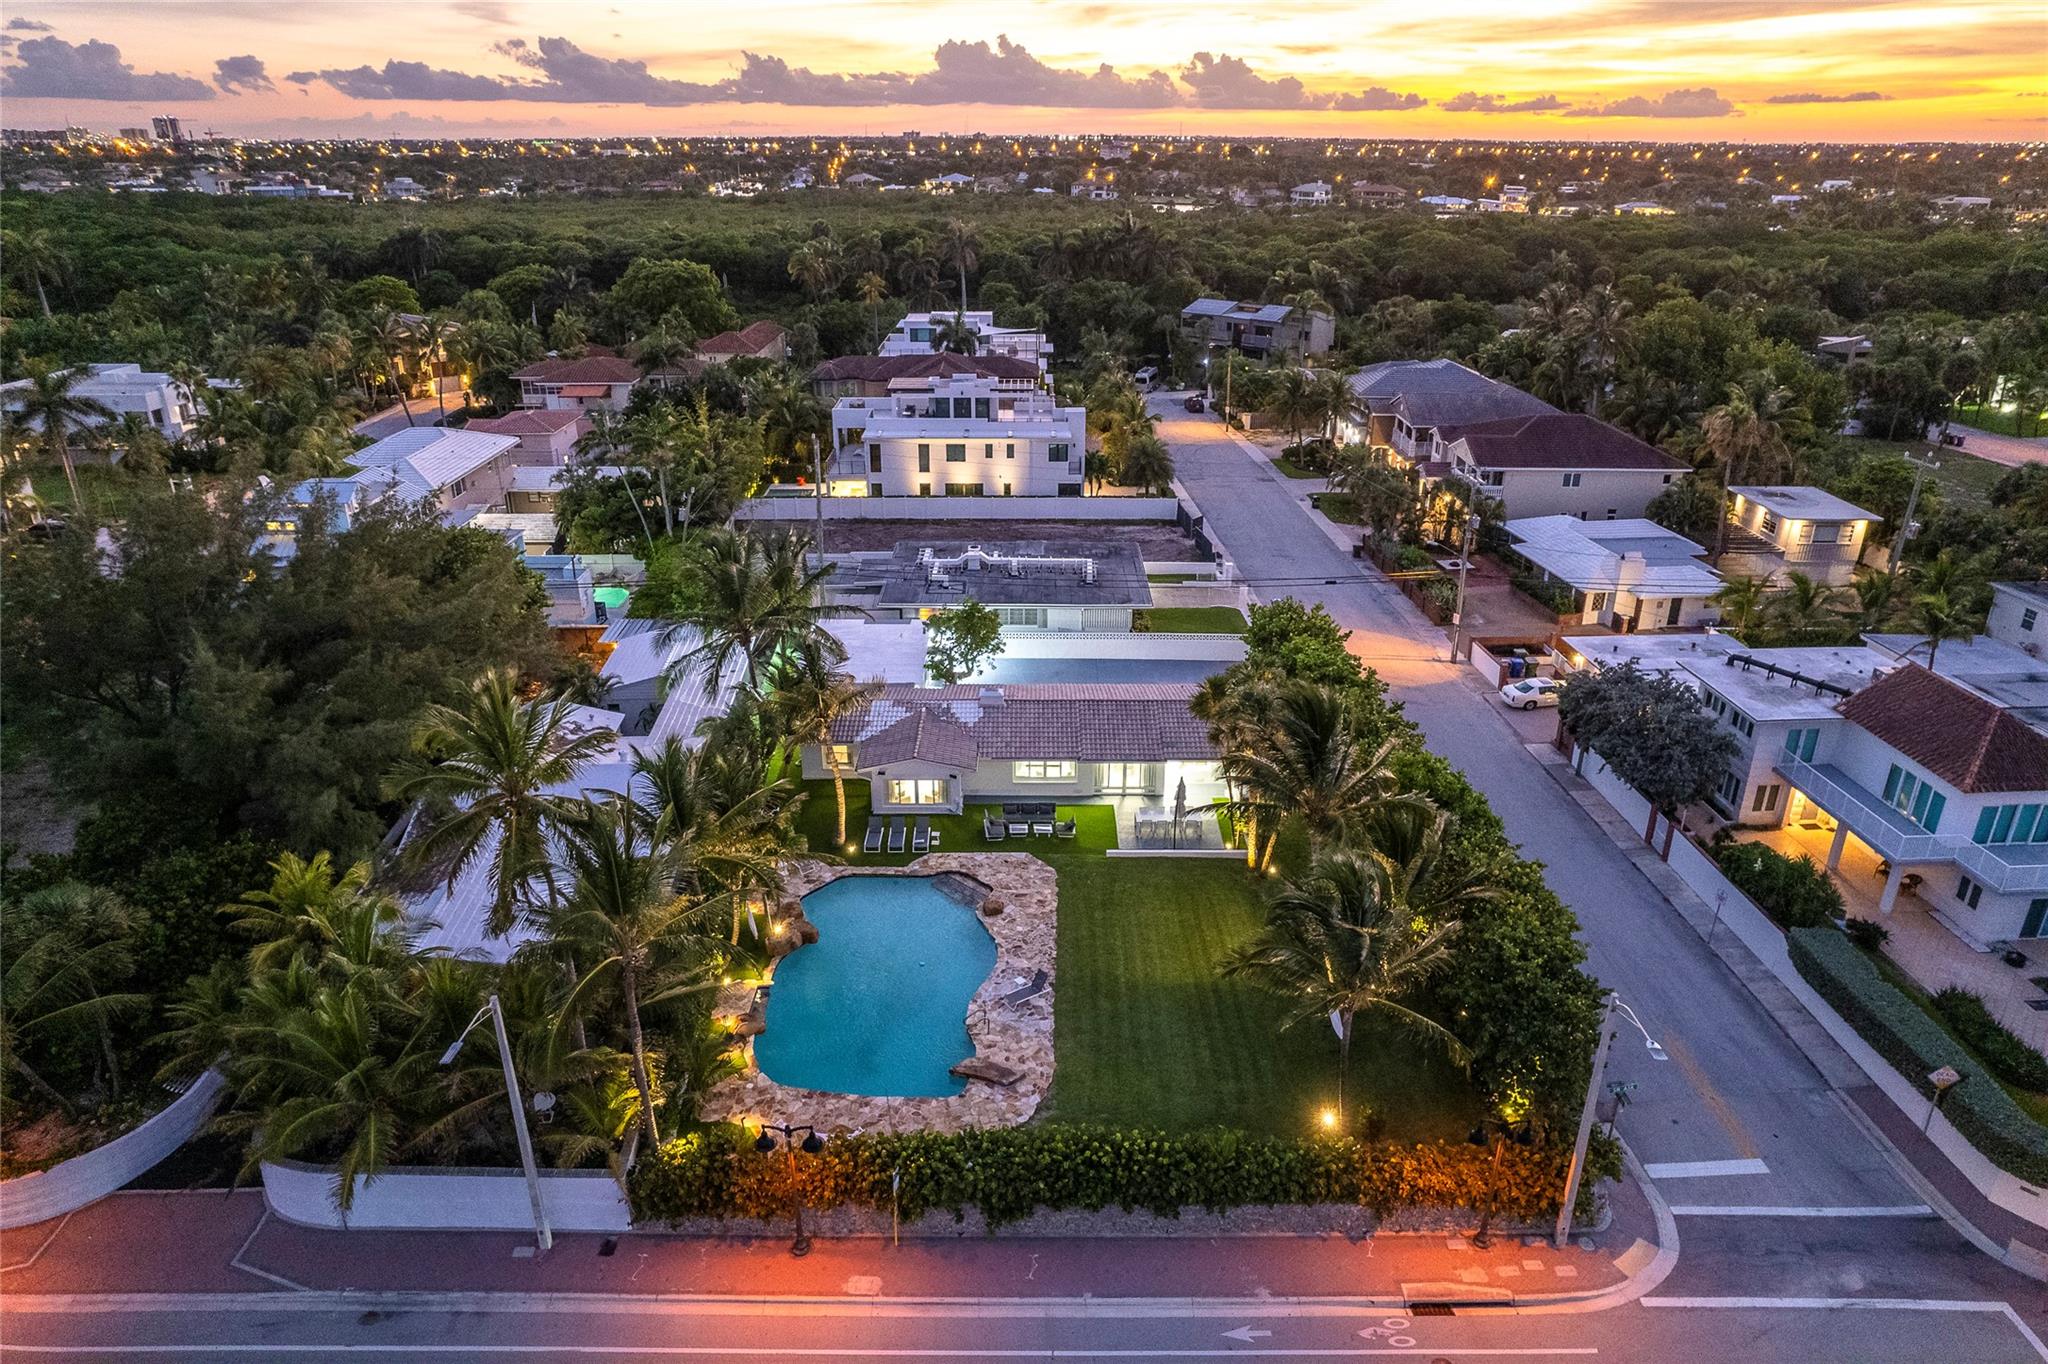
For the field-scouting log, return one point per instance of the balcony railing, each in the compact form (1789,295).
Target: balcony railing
(1877,824)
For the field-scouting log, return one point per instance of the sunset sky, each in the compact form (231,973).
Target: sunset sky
(1737,70)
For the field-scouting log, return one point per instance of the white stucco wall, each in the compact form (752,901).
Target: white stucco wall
(70,1185)
(424,1199)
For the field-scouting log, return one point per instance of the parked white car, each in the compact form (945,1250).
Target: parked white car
(1531,692)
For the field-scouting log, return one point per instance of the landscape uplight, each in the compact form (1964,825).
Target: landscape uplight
(1328,1118)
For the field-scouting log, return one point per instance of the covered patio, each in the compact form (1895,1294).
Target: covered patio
(1922,943)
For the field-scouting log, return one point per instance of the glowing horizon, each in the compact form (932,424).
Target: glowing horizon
(1471,70)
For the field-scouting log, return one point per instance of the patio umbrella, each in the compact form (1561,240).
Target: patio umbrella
(1180,808)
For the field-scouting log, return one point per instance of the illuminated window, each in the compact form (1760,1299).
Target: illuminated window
(917,793)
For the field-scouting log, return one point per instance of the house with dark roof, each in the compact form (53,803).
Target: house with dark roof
(545,435)
(1946,782)
(593,380)
(1399,405)
(763,340)
(1259,330)
(1557,464)
(930,750)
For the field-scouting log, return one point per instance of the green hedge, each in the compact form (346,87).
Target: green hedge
(1916,1044)
(1008,1173)
(2010,1059)
(1792,890)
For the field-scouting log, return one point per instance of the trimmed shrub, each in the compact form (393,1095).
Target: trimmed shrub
(2010,1059)
(1008,1173)
(1867,934)
(1916,1045)
(1792,890)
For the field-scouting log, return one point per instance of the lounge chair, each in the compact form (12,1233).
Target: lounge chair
(1063,828)
(1040,982)
(935,837)
(992,830)
(921,836)
(873,842)
(898,831)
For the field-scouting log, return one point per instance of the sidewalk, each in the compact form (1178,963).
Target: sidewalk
(1999,1233)
(213,1242)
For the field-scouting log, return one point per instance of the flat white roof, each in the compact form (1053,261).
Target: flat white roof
(1763,695)
(434,455)
(1803,503)
(1631,555)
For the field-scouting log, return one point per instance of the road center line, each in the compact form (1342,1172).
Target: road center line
(1704,1169)
(1717,1210)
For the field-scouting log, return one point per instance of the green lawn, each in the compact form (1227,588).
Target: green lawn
(1147,1033)
(2001,422)
(106,488)
(1293,470)
(1339,507)
(1094,832)
(1189,620)
(1962,478)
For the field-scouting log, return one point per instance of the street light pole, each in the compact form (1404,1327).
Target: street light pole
(543,1235)
(812,1144)
(1577,1169)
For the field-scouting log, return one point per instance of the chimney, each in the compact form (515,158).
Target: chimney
(990,697)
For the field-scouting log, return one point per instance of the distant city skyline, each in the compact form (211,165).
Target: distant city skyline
(1593,70)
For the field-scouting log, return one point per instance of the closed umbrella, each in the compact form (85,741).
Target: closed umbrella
(1180,808)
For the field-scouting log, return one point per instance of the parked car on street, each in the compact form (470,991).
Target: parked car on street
(1195,403)
(1531,692)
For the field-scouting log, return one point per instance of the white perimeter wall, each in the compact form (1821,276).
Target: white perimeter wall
(422,1199)
(70,1185)
(961,509)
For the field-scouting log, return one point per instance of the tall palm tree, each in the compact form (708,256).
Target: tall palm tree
(954,336)
(51,404)
(1805,607)
(35,259)
(806,705)
(61,952)
(1742,602)
(392,337)
(1601,322)
(958,245)
(790,415)
(625,919)
(302,912)
(1345,940)
(488,777)
(1307,763)
(818,265)
(434,338)
(1745,436)
(1877,599)
(872,289)
(758,603)
(1293,401)
(1937,617)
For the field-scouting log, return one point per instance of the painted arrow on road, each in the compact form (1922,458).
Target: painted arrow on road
(1245,1334)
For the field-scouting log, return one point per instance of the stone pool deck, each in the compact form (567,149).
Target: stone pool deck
(1019,1035)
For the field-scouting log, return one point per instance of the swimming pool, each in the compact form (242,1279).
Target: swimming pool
(614,598)
(878,1005)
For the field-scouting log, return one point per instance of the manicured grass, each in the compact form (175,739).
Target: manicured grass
(2002,422)
(1176,578)
(1147,1033)
(1293,470)
(1189,620)
(106,488)
(1094,829)
(1341,508)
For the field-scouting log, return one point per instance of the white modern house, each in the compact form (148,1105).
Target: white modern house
(958,436)
(1798,529)
(929,750)
(578,385)
(168,404)
(1557,464)
(1310,195)
(1033,585)
(1627,574)
(917,334)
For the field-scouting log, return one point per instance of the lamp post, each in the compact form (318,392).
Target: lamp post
(1577,1169)
(812,1144)
(543,1235)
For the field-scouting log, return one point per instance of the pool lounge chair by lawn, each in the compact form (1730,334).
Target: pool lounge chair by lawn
(873,842)
(921,835)
(898,831)
(992,830)
(1041,981)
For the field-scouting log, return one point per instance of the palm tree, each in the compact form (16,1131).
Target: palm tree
(790,415)
(1344,940)
(34,258)
(488,777)
(917,272)
(1293,401)
(806,706)
(50,404)
(392,337)
(1601,324)
(1745,435)
(1306,762)
(953,335)
(958,244)
(1936,617)
(1805,606)
(1147,464)
(61,950)
(1876,599)
(624,917)
(1742,602)
(817,265)
(758,603)
(303,911)
(434,338)
(872,289)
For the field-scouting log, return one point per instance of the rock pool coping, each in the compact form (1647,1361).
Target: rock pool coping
(1018,1034)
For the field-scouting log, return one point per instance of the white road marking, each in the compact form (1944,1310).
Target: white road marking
(1704,1169)
(1717,1210)
(2003,1309)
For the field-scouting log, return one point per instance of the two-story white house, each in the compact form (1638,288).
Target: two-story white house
(1313,194)
(1796,529)
(917,334)
(1946,783)
(1399,405)
(960,436)
(1627,574)
(578,385)
(167,404)
(1557,464)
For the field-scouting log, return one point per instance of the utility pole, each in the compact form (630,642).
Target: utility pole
(1464,562)
(1577,1169)
(1921,469)
(818,475)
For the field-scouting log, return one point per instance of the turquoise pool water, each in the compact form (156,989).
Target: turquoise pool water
(878,1005)
(613,597)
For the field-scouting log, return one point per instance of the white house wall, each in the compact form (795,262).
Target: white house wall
(1601,494)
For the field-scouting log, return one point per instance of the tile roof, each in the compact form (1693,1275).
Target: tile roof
(1960,737)
(1437,393)
(590,369)
(527,421)
(748,340)
(924,735)
(1557,440)
(1084,722)
(882,368)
